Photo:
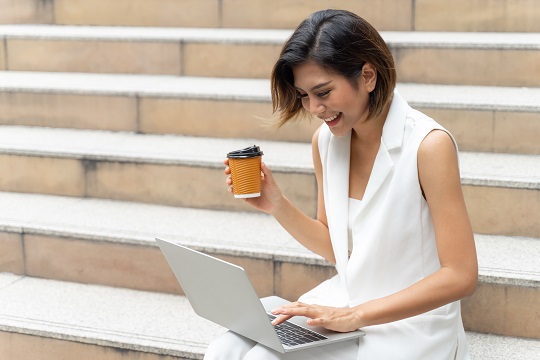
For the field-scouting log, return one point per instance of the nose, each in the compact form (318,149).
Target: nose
(314,106)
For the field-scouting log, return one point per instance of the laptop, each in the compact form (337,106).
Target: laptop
(222,293)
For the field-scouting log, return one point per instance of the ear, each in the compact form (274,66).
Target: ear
(369,77)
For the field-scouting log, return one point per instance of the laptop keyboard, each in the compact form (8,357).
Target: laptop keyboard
(291,334)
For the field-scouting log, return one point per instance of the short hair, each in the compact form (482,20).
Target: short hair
(341,42)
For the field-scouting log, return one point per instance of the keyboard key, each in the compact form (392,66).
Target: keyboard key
(291,334)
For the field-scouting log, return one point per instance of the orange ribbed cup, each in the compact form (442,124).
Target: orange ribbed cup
(246,176)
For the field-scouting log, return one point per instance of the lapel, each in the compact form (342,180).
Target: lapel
(337,175)
(392,138)
(338,194)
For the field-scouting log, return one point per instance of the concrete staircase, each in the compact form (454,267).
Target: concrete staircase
(115,117)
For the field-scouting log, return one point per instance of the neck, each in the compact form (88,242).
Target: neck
(370,131)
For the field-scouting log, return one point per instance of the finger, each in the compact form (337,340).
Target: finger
(294,310)
(316,322)
(266,173)
(265,170)
(227,170)
(291,305)
(226,161)
(280,319)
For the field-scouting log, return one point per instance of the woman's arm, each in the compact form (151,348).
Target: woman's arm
(311,233)
(457,277)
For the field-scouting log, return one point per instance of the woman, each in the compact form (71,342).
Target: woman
(391,213)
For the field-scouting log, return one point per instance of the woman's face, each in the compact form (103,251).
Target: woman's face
(331,97)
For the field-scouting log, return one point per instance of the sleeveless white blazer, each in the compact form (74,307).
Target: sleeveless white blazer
(393,240)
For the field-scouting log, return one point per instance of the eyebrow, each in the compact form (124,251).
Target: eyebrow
(316,86)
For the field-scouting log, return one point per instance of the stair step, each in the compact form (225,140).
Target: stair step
(90,240)
(116,321)
(175,51)
(501,259)
(422,95)
(421,57)
(188,171)
(99,234)
(433,15)
(492,347)
(48,316)
(26,11)
(500,119)
(112,243)
(164,169)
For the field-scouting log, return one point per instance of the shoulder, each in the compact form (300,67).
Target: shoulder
(424,134)
(438,167)
(437,145)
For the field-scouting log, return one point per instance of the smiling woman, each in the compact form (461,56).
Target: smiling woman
(390,210)
(339,43)
(332,97)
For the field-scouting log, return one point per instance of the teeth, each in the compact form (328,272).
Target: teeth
(332,118)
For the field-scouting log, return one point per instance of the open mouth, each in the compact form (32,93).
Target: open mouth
(333,120)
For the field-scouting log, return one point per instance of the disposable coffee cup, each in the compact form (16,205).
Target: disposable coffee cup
(245,165)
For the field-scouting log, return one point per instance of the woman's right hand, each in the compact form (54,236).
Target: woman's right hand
(271,196)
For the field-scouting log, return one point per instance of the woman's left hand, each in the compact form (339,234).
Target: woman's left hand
(336,319)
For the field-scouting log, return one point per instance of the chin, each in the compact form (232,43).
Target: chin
(337,131)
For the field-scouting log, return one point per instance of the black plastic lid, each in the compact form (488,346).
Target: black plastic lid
(248,152)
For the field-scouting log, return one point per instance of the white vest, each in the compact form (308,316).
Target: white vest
(393,241)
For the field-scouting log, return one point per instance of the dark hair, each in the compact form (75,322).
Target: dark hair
(341,43)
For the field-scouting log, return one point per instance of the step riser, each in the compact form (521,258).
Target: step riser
(94,56)
(491,131)
(226,119)
(11,253)
(3,56)
(27,12)
(475,130)
(493,210)
(230,60)
(139,267)
(416,65)
(116,113)
(469,66)
(185,186)
(503,211)
(229,14)
(498,309)
(423,15)
(384,14)
(488,15)
(22,346)
(508,310)
(187,13)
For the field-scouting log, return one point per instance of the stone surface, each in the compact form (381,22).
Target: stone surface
(481,15)
(75,111)
(127,320)
(94,56)
(201,13)
(503,260)
(124,319)
(27,11)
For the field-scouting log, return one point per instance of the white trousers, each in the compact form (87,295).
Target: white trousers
(231,346)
